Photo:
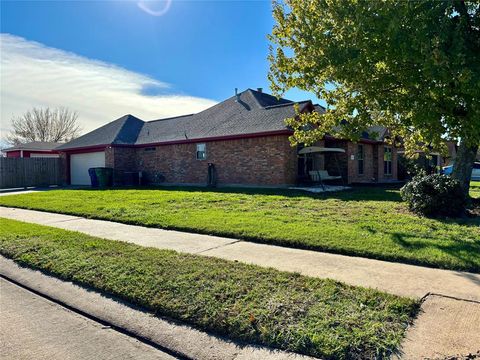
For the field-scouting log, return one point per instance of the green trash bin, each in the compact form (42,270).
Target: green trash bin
(104,176)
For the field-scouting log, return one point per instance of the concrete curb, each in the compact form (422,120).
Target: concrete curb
(179,340)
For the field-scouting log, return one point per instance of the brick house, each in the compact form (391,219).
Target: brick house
(244,137)
(37,149)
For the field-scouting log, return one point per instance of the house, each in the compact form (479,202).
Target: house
(244,138)
(33,149)
(431,163)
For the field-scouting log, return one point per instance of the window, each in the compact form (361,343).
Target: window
(201,151)
(434,164)
(360,159)
(387,160)
(150,149)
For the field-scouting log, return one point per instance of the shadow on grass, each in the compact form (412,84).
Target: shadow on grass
(462,250)
(360,193)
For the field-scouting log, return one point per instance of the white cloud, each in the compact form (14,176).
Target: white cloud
(33,74)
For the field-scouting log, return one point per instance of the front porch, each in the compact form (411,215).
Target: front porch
(322,166)
(317,189)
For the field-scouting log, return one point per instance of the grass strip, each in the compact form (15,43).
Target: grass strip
(475,189)
(318,317)
(367,222)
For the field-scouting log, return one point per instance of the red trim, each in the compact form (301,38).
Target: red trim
(96,148)
(86,149)
(27,153)
(13,154)
(32,150)
(218,138)
(68,169)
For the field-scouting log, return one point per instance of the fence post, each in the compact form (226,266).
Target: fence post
(24,173)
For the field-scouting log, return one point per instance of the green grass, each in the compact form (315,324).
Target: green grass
(368,222)
(475,189)
(244,302)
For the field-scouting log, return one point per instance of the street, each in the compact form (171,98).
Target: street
(32,327)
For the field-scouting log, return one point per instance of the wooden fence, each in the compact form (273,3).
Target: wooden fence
(25,172)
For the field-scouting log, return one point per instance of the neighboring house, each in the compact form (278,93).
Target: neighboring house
(33,149)
(431,164)
(244,137)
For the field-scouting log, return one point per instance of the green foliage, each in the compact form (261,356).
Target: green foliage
(412,166)
(475,190)
(409,65)
(313,316)
(368,222)
(434,195)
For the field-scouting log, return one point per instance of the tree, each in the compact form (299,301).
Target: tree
(50,125)
(412,66)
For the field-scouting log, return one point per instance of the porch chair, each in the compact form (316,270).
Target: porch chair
(324,175)
(314,176)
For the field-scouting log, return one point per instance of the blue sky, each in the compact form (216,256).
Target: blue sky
(195,54)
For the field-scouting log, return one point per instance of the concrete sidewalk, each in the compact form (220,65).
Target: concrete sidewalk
(446,328)
(395,278)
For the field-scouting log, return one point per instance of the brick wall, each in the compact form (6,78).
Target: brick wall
(373,169)
(263,161)
(382,177)
(121,159)
(109,157)
(267,161)
(354,175)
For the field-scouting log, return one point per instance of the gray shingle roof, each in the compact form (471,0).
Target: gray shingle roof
(34,145)
(377,132)
(252,112)
(121,131)
(249,113)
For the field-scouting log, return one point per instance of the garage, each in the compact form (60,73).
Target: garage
(80,163)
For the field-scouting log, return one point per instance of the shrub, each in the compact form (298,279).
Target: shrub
(434,195)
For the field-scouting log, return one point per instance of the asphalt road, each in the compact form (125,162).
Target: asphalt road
(32,327)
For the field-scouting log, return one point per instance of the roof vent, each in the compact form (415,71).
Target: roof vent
(237,95)
(260,90)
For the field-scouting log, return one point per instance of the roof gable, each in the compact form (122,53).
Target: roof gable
(124,130)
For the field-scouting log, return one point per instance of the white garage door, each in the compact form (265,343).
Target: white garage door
(80,163)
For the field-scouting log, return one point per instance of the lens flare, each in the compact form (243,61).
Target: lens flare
(155,7)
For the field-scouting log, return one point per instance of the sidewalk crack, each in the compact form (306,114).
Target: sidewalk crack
(59,221)
(219,246)
(449,297)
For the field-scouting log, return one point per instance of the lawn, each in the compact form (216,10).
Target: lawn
(475,189)
(313,316)
(368,222)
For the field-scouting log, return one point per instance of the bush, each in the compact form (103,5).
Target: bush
(434,195)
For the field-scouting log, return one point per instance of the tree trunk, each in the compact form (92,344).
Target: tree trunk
(462,168)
